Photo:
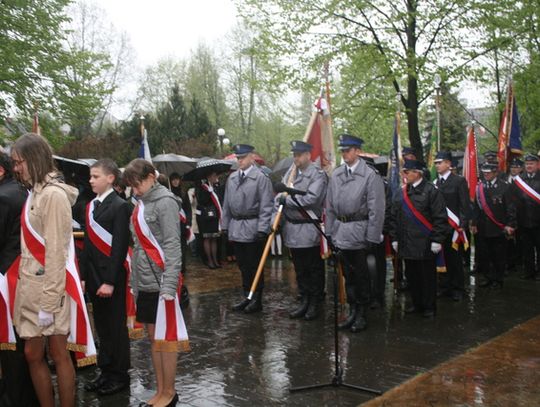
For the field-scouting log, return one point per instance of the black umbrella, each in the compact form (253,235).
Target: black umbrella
(207,167)
(281,168)
(77,171)
(169,163)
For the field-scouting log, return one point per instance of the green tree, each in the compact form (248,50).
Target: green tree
(31,34)
(409,41)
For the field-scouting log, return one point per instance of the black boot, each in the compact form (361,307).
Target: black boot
(242,304)
(360,322)
(350,319)
(300,311)
(255,305)
(313,310)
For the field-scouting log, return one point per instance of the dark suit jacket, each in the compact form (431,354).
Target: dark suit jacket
(528,211)
(12,198)
(96,269)
(502,206)
(456,197)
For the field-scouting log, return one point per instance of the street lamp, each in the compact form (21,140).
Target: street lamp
(222,139)
(437,82)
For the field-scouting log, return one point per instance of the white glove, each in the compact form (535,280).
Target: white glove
(45,318)
(395,246)
(435,247)
(167,297)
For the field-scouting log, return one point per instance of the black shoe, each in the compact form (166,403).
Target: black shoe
(301,310)
(241,305)
(95,384)
(485,283)
(375,304)
(429,314)
(174,401)
(312,311)
(457,296)
(360,322)
(255,305)
(350,319)
(496,285)
(112,387)
(411,309)
(529,276)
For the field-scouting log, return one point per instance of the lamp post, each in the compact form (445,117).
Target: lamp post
(222,139)
(437,82)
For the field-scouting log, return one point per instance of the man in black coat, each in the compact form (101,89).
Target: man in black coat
(104,276)
(418,228)
(527,202)
(16,388)
(456,197)
(494,220)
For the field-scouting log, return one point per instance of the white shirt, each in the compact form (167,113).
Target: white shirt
(350,169)
(246,171)
(445,175)
(104,195)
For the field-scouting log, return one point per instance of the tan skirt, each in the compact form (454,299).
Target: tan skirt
(27,300)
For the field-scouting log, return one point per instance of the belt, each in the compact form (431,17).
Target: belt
(300,221)
(352,218)
(245,217)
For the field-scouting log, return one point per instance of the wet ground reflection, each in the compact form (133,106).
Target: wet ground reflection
(253,360)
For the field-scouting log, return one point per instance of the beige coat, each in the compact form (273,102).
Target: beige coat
(44,288)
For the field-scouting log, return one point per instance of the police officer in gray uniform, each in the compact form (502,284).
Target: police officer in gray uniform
(247,211)
(355,217)
(301,236)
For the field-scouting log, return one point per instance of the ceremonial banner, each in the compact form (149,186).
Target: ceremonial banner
(470,164)
(509,132)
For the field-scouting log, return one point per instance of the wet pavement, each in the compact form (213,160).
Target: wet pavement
(253,360)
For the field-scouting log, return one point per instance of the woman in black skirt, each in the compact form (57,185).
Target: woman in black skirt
(209,217)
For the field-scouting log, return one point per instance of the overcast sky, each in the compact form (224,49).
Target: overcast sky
(160,28)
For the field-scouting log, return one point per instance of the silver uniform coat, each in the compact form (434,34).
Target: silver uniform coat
(247,207)
(314,181)
(355,207)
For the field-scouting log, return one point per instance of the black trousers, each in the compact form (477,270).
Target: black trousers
(309,268)
(514,250)
(530,238)
(110,322)
(495,259)
(454,278)
(422,281)
(16,388)
(357,279)
(248,255)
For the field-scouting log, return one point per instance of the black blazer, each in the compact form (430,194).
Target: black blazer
(528,211)
(12,198)
(456,197)
(502,206)
(96,269)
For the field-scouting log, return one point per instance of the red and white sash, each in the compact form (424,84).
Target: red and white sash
(526,188)
(459,236)
(80,336)
(170,333)
(190,237)
(215,200)
(102,240)
(7,334)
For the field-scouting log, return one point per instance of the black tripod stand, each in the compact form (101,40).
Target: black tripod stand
(337,380)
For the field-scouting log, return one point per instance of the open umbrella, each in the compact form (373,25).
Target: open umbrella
(281,168)
(76,170)
(169,163)
(206,167)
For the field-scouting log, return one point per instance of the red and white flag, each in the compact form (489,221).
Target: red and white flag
(80,337)
(470,163)
(170,333)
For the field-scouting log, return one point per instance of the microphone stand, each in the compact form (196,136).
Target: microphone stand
(337,379)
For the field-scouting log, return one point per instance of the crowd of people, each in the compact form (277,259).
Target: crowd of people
(136,247)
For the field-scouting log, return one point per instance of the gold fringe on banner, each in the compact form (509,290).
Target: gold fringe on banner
(8,346)
(136,333)
(90,360)
(73,347)
(171,346)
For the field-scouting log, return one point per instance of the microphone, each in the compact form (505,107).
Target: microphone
(281,187)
